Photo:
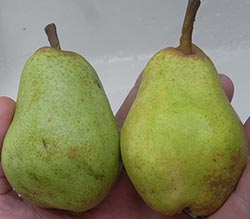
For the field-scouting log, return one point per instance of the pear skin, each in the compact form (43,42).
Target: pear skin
(182,144)
(62,148)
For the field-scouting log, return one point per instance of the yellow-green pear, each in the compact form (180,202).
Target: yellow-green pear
(62,148)
(182,144)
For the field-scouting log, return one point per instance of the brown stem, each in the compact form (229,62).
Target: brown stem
(50,30)
(187,28)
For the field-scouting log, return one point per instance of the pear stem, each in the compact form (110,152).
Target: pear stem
(51,32)
(187,28)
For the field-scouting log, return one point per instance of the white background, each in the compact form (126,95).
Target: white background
(119,36)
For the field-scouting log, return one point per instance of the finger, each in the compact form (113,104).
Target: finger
(227,85)
(126,105)
(7,107)
(247,131)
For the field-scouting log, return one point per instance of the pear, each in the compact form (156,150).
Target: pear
(182,144)
(62,148)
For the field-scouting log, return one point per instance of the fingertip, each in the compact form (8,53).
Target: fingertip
(247,131)
(7,108)
(247,123)
(138,81)
(227,85)
(6,102)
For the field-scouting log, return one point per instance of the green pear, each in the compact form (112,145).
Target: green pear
(62,148)
(182,144)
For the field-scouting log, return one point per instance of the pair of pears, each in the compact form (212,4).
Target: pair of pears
(182,144)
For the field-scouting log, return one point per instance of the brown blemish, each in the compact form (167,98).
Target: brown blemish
(138,167)
(220,183)
(98,84)
(72,155)
(197,53)
(62,52)
(33,176)
(219,154)
(44,49)
(91,172)
(73,151)
(44,143)
(216,180)
(69,53)
(152,190)
(202,210)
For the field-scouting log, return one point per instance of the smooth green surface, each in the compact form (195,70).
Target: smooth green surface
(62,148)
(182,144)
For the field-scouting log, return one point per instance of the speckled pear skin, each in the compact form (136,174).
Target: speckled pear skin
(62,148)
(182,144)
